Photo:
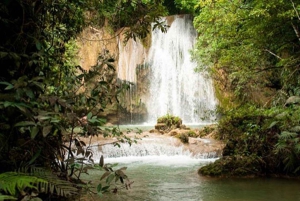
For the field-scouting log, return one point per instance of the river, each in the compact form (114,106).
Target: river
(164,173)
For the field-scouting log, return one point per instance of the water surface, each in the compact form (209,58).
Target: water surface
(166,178)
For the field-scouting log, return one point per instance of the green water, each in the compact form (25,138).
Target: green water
(165,180)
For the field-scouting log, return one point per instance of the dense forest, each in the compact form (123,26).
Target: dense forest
(251,49)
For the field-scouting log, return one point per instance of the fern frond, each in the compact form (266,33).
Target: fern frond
(287,135)
(7,197)
(54,184)
(280,147)
(12,182)
(297,148)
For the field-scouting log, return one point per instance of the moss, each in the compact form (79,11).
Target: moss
(184,138)
(192,133)
(170,120)
(232,166)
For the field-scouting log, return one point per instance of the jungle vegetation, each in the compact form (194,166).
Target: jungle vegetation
(251,49)
(47,100)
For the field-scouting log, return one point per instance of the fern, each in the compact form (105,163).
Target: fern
(287,135)
(54,185)
(13,182)
(43,181)
(297,148)
(7,197)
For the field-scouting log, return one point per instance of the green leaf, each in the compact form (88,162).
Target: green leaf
(7,104)
(38,45)
(38,153)
(89,115)
(34,132)
(105,188)
(25,123)
(110,178)
(9,85)
(99,187)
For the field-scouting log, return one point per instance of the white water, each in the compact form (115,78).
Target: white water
(131,55)
(174,86)
(153,150)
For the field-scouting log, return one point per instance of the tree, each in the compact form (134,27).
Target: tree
(255,44)
(246,38)
(43,107)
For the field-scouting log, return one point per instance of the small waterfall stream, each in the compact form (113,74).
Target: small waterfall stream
(155,148)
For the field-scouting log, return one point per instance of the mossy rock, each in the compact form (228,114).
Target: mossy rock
(184,138)
(170,121)
(234,166)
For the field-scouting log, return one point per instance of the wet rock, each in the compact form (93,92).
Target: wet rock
(161,126)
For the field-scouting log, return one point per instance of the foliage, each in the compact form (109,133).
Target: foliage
(252,49)
(170,121)
(136,15)
(255,43)
(33,184)
(265,139)
(12,183)
(47,101)
(191,133)
(187,6)
(111,175)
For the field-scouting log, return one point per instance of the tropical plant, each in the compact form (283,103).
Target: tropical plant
(246,38)
(47,101)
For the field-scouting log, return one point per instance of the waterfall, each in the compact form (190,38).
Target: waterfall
(153,147)
(173,85)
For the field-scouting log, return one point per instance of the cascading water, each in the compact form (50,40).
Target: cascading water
(153,147)
(175,87)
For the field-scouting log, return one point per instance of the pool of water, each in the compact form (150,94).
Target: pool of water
(165,178)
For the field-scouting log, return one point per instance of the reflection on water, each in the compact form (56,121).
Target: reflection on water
(163,179)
